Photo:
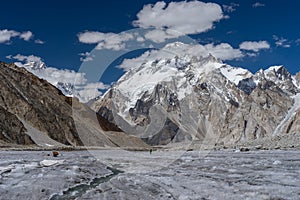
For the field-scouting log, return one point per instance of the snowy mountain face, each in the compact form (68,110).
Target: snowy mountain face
(281,77)
(181,74)
(184,97)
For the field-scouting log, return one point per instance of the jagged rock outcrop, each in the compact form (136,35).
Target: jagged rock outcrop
(195,98)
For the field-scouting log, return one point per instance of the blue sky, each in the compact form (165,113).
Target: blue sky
(51,29)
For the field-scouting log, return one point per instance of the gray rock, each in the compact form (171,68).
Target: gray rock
(12,129)
(216,108)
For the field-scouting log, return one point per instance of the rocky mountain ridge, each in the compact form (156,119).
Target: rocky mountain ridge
(34,112)
(184,98)
(37,102)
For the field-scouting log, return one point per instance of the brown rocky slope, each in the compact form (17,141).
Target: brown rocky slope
(26,98)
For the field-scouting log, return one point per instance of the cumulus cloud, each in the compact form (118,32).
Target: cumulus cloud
(168,21)
(22,58)
(251,54)
(224,51)
(281,42)
(84,89)
(26,35)
(90,90)
(140,39)
(258,4)
(184,17)
(159,35)
(221,51)
(254,46)
(7,35)
(54,75)
(38,41)
(230,8)
(105,40)
(51,74)
(85,57)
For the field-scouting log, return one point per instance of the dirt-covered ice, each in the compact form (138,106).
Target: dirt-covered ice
(113,174)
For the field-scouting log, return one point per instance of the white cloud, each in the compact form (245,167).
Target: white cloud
(26,35)
(85,57)
(84,90)
(159,35)
(230,32)
(38,41)
(254,46)
(9,57)
(91,37)
(297,41)
(7,35)
(251,54)
(90,91)
(184,17)
(51,74)
(22,58)
(281,42)
(258,4)
(140,39)
(105,40)
(230,8)
(221,51)
(224,51)
(54,75)
(168,20)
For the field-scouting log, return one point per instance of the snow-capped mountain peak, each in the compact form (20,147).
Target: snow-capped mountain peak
(280,76)
(273,68)
(35,65)
(235,74)
(193,94)
(182,71)
(277,73)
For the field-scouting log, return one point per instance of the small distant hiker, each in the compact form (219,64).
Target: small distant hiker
(150,151)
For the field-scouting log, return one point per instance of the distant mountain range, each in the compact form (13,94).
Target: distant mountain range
(185,97)
(164,100)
